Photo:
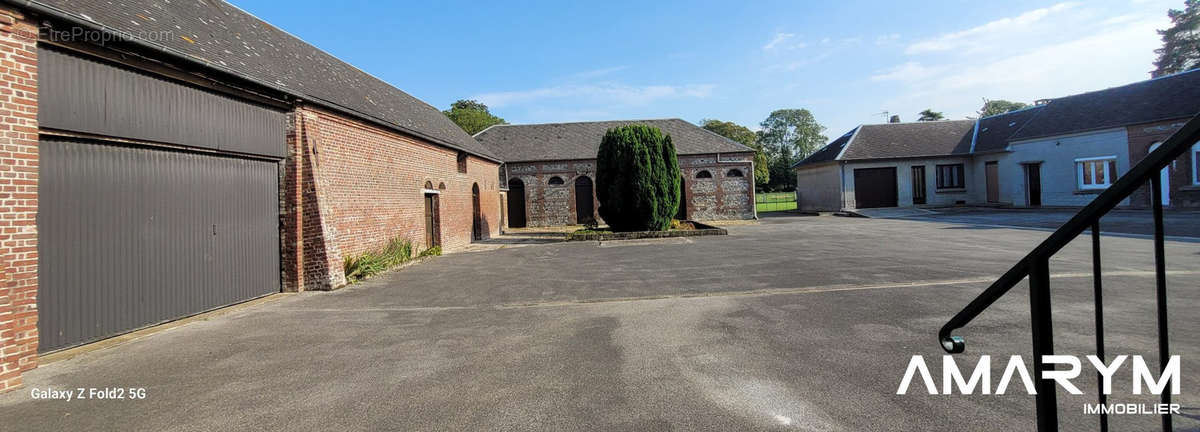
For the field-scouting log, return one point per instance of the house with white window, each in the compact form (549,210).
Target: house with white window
(1062,152)
(889,165)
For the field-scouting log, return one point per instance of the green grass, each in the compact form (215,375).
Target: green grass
(775,201)
(398,251)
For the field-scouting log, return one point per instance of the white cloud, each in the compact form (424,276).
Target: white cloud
(974,38)
(886,39)
(908,72)
(783,42)
(604,93)
(1095,58)
(596,73)
(778,39)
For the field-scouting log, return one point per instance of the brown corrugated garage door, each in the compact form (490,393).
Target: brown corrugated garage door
(135,236)
(875,187)
(157,200)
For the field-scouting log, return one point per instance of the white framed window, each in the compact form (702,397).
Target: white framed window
(950,177)
(1196,164)
(1095,173)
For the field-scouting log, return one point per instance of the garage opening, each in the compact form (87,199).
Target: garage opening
(133,232)
(875,187)
(130,237)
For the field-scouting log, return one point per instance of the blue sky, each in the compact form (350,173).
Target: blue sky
(845,61)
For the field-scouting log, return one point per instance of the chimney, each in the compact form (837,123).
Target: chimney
(894,119)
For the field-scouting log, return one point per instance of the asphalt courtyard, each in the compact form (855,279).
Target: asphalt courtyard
(794,323)
(1138,222)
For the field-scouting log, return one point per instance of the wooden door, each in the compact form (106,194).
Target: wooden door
(992,170)
(516,203)
(476,217)
(584,201)
(433,229)
(918,185)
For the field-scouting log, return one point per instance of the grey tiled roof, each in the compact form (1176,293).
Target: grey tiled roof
(1165,98)
(896,140)
(828,153)
(568,141)
(994,131)
(218,34)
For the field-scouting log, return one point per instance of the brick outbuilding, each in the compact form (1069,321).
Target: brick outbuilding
(550,171)
(162,159)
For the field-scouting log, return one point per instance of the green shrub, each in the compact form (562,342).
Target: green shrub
(398,251)
(637,179)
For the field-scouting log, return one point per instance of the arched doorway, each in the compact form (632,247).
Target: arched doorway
(476,217)
(585,209)
(516,203)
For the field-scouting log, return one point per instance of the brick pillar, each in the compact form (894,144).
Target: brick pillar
(18,197)
(311,258)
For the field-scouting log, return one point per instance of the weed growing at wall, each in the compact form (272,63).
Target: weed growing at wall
(397,252)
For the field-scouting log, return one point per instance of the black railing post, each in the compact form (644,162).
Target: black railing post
(1043,342)
(1160,279)
(1098,294)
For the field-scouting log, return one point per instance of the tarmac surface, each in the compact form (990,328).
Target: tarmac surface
(794,323)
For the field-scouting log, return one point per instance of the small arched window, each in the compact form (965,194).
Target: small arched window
(703,175)
(442,186)
(429,185)
(556,180)
(734,173)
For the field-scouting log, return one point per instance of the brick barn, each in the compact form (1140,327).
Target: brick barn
(550,171)
(162,159)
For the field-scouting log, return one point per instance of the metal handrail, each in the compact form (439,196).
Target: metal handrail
(1126,185)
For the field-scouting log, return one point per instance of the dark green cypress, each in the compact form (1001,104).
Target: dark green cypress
(637,179)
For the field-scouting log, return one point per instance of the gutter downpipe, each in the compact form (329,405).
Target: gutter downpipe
(842,178)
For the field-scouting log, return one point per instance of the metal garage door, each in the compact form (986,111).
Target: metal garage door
(875,187)
(134,236)
(184,221)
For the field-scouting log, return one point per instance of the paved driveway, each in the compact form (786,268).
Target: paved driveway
(1139,222)
(802,323)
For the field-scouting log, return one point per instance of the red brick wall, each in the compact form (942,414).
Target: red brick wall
(18,197)
(1183,193)
(361,185)
(718,198)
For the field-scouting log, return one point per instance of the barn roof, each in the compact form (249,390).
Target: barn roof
(224,37)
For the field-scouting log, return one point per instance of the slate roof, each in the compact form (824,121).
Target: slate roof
(1165,98)
(897,140)
(571,141)
(221,35)
(994,131)
(830,152)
